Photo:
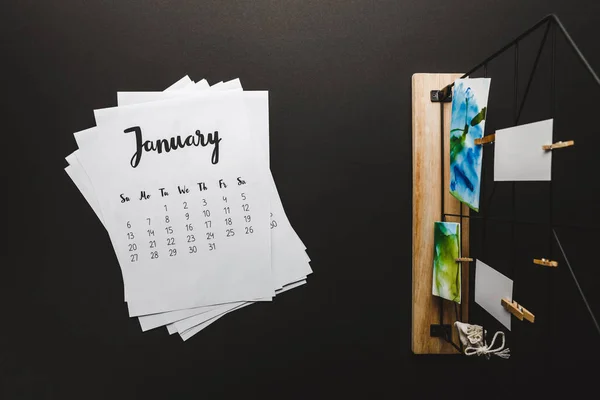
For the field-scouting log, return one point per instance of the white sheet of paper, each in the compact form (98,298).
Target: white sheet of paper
(82,181)
(490,288)
(180,84)
(518,153)
(110,165)
(188,323)
(191,332)
(131,98)
(202,85)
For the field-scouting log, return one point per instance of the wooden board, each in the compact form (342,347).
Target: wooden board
(427,199)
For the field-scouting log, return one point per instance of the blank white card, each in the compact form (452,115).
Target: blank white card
(518,153)
(490,288)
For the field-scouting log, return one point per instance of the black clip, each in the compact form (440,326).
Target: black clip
(441,96)
(442,331)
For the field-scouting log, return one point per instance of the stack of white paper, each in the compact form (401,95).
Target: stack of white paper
(181,181)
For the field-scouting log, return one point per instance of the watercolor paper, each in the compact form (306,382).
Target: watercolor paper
(469,111)
(446,271)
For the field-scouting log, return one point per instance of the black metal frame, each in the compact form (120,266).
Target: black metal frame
(444,95)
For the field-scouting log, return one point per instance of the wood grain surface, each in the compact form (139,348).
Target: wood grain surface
(427,198)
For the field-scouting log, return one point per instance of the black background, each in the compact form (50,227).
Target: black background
(339,76)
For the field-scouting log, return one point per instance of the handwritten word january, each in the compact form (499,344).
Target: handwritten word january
(176,142)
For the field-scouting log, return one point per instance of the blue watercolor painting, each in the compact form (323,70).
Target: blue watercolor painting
(469,109)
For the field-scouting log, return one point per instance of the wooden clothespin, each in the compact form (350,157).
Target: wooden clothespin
(513,308)
(544,262)
(486,139)
(517,310)
(464,259)
(558,145)
(527,315)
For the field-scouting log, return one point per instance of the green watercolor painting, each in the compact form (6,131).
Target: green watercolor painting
(446,271)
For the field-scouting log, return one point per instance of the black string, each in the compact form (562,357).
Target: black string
(513,193)
(514,184)
(576,282)
(574,47)
(551,286)
(459,318)
(533,70)
(483,212)
(447,337)
(442,154)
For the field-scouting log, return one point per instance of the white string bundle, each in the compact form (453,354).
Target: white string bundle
(481,347)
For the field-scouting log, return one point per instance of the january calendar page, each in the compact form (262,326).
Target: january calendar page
(185,201)
(181,181)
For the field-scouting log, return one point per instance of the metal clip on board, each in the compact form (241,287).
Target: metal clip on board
(441,96)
